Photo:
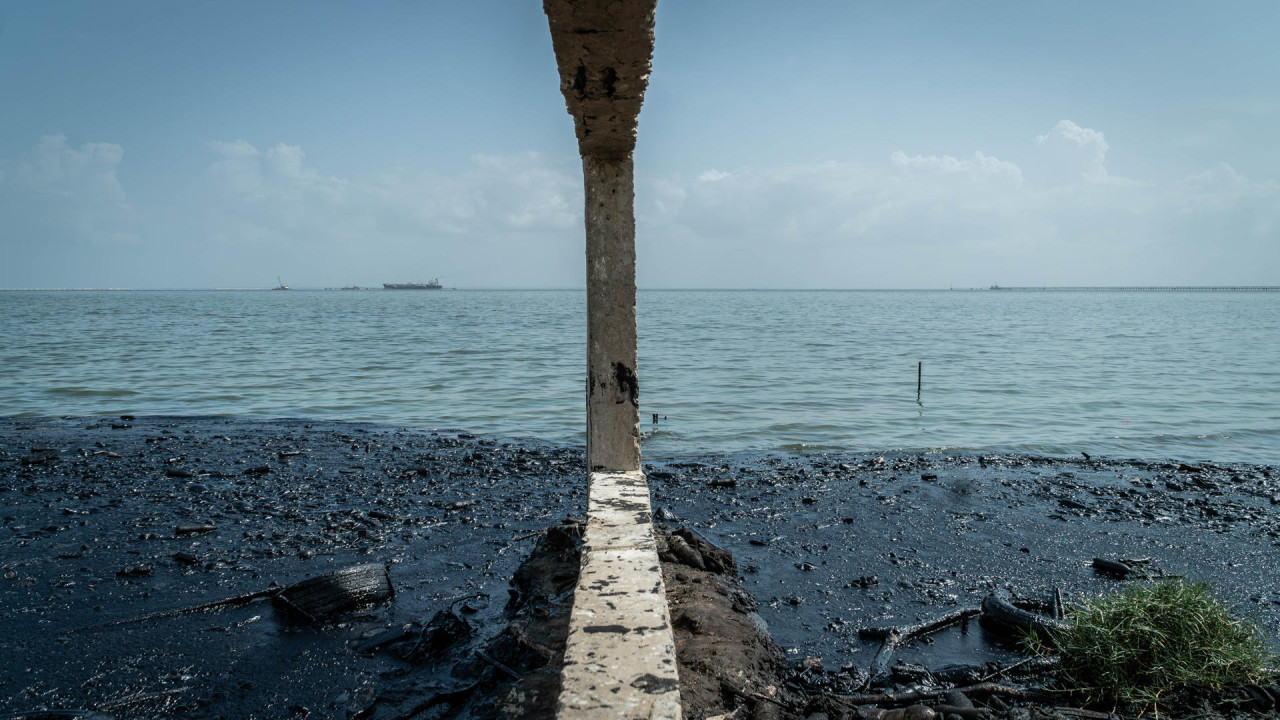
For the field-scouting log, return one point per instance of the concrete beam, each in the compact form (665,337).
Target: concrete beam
(604,50)
(620,660)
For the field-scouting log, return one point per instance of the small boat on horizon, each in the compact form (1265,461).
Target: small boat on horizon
(281,285)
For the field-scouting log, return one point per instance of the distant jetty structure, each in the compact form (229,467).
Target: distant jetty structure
(1145,288)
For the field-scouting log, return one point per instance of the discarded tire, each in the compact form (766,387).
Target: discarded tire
(319,597)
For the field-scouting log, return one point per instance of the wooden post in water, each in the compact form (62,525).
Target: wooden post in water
(919,378)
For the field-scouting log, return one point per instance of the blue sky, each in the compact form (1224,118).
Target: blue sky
(817,144)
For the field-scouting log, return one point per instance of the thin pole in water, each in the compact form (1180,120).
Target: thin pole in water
(919,378)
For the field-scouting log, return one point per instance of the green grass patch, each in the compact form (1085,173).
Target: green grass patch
(1139,643)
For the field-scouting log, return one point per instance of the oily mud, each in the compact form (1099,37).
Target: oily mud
(107,520)
(725,655)
(830,544)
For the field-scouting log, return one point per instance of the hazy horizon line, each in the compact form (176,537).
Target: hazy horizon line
(1169,286)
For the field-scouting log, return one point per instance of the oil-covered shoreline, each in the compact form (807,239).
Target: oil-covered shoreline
(110,519)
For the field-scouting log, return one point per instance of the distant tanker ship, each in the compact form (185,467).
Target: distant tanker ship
(433,285)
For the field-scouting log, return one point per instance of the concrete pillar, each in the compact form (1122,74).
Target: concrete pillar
(619,660)
(604,50)
(613,408)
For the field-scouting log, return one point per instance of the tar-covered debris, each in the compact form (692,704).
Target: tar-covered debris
(96,529)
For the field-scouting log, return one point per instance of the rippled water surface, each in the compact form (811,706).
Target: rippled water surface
(1171,375)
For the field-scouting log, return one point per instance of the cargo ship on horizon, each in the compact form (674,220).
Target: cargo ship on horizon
(433,285)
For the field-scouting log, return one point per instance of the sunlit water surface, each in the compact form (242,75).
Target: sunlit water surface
(1192,376)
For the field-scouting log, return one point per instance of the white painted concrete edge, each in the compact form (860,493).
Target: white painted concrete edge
(620,661)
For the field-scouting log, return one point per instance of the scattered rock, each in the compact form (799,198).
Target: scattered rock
(40,456)
(685,554)
(135,571)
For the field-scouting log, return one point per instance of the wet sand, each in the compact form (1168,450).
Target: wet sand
(827,543)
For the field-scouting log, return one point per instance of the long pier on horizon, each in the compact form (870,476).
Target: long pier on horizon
(1147,288)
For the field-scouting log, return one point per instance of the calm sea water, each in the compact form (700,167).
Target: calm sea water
(1191,376)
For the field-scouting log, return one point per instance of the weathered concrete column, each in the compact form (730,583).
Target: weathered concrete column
(613,391)
(619,659)
(604,49)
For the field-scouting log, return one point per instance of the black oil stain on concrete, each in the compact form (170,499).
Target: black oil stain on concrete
(654,685)
(627,382)
(618,629)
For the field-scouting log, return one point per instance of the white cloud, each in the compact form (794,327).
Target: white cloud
(286,160)
(85,174)
(1230,207)
(926,220)
(978,168)
(58,195)
(513,193)
(470,219)
(768,209)
(237,169)
(1080,149)
(1056,216)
